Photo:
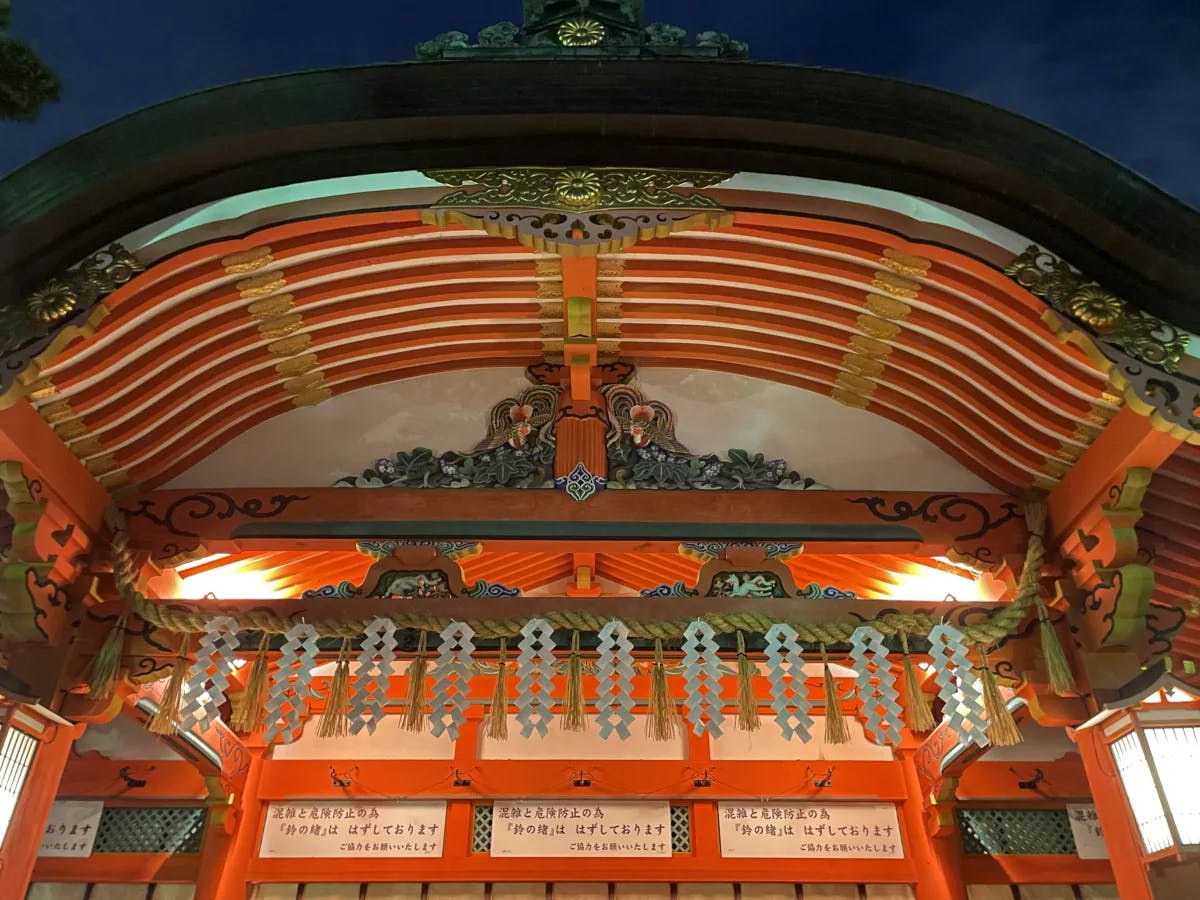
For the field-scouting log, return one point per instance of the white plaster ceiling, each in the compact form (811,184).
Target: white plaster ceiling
(123,739)
(840,447)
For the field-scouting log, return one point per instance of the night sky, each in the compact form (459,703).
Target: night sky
(1122,77)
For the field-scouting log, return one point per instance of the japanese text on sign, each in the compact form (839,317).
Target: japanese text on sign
(555,828)
(353,828)
(804,830)
(1085,828)
(71,831)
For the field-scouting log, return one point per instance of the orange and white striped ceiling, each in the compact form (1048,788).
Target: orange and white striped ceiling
(220,337)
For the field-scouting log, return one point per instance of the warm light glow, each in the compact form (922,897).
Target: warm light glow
(1176,752)
(196,563)
(1140,790)
(935,585)
(233,582)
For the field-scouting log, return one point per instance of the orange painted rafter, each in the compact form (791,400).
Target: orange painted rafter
(905,374)
(944,431)
(266,402)
(323,260)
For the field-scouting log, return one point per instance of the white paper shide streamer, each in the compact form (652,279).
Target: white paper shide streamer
(204,691)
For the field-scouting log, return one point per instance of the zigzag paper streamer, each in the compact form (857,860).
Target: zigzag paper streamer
(960,691)
(209,679)
(373,669)
(876,683)
(614,673)
(702,672)
(535,678)
(292,684)
(785,674)
(451,680)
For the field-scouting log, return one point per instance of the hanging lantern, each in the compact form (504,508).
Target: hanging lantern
(1152,731)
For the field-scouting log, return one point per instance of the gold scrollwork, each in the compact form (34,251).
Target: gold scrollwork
(1142,336)
(594,188)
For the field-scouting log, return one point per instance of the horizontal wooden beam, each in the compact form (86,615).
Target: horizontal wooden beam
(95,777)
(170,524)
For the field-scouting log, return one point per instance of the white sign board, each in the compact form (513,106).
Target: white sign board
(810,830)
(1085,827)
(323,829)
(566,828)
(71,831)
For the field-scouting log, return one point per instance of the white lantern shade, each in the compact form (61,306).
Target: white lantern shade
(1169,772)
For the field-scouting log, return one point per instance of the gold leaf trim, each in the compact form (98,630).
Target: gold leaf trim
(548,266)
(552,328)
(896,285)
(289,346)
(887,307)
(869,346)
(610,267)
(297,365)
(247,261)
(856,383)
(608,310)
(262,285)
(904,264)
(549,290)
(312,398)
(57,411)
(878,328)
(608,348)
(303,384)
(280,326)
(89,446)
(550,310)
(866,366)
(608,329)
(1055,468)
(847,398)
(102,465)
(610,289)
(42,390)
(71,430)
(270,307)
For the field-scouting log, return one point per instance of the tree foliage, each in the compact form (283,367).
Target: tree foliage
(26,83)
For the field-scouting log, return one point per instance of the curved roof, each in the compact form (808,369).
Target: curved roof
(1124,232)
(897,303)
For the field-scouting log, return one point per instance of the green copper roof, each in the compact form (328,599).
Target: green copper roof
(582,28)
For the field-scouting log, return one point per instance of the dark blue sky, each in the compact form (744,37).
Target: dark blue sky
(1123,77)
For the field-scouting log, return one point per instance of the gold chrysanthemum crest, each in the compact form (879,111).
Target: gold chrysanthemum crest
(580,32)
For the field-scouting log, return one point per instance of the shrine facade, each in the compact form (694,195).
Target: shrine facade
(584,464)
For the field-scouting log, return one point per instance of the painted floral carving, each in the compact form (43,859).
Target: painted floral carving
(518,452)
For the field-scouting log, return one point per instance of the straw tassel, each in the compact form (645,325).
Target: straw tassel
(572,716)
(917,714)
(661,723)
(1002,728)
(497,724)
(414,711)
(336,721)
(747,703)
(252,714)
(1062,681)
(165,720)
(836,729)
(102,680)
